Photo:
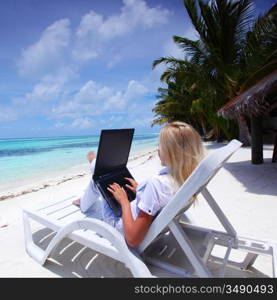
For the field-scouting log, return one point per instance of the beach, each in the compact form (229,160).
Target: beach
(245,192)
(29,165)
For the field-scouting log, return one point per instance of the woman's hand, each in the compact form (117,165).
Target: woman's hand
(118,192)
(133,186)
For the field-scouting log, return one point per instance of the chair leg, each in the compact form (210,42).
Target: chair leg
(184,242)
(274,156)
(31,248)
(208,251)
(225,261)
(249,260)
(274,260)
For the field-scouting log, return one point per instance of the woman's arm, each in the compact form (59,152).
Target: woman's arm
(134,230)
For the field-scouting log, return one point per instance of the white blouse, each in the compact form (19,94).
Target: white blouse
(153,194)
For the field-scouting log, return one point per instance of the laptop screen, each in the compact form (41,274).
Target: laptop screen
(113,150)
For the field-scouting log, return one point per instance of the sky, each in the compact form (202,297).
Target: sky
(72,67)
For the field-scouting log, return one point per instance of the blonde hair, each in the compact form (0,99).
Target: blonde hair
(183,149)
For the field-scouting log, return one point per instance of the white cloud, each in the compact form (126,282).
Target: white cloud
(119,101)
(134,14)
(94,99)
(82,123)
(7,114)
(91,91)
(135,89)
(94,30)
(79,123)
(47,52)
(50,61)
(115,119)
(57,45)
(59,125)
(112,122)
(46,90)
(146,122)
(50,89)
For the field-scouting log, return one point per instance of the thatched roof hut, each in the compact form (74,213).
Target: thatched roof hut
(260,99)
(255,104)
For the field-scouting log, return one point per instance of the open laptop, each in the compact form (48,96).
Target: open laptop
(111,160)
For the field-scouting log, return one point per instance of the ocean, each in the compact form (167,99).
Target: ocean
(26,159)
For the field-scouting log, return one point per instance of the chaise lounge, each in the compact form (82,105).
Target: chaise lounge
(172,246)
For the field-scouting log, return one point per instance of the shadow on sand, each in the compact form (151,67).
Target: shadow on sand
(257,179)
(214,146)
(71,259)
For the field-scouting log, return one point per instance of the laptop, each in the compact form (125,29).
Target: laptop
(111,160)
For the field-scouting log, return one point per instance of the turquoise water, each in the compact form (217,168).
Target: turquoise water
(31,158)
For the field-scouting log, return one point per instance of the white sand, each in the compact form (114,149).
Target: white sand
(246,193)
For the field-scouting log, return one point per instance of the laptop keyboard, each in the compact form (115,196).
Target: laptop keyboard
(105,184)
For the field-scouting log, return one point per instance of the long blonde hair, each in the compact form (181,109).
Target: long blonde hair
(183,148)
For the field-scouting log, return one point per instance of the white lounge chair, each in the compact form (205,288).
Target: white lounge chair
(171,244)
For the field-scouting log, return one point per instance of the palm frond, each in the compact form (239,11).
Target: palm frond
(192,49)
(192,11)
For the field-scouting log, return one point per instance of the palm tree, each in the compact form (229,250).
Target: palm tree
(175,102)
(218,64)
(259,55)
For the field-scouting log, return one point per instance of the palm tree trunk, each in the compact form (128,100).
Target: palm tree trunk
(244,135)
(202,123)
(257,140)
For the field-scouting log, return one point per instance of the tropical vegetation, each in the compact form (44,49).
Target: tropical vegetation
(233,51)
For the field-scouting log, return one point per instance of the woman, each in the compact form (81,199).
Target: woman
(180,151)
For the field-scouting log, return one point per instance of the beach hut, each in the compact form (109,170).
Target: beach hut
(256,109)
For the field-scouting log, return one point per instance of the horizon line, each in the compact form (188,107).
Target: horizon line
(60,136)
